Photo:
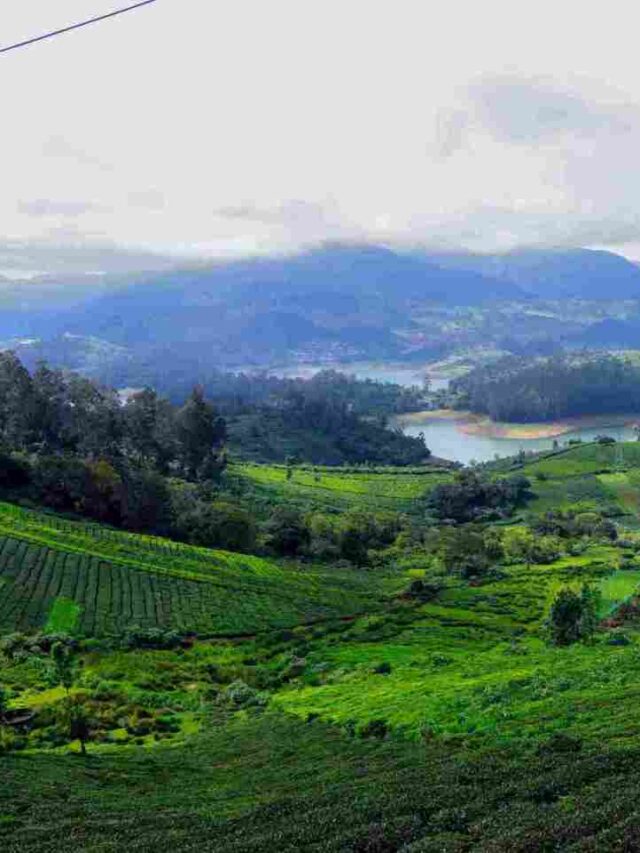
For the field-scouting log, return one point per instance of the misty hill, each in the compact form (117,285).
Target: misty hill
(556,273)
(334,302)
(350,297)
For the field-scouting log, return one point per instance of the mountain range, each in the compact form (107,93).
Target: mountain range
(328,303)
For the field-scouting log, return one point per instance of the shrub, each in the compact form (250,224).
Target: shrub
(573,616)
(151,638)
(239,695)
(374,729)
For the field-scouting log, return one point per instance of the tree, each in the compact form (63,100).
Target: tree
(463,551)
(64,665)
(286,531)
(51,410)
(472,495)
(64,672)
(16,402)
(79,728)
(150,430)
(573,616)
(201,433)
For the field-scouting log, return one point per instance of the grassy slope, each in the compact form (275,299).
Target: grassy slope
(270,784)
(472,700)
(330,489)
(119,579)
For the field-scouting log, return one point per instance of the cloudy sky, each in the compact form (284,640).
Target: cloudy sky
(208,128)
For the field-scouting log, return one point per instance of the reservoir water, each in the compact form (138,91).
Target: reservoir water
(445,438)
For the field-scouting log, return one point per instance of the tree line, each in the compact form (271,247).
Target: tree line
(142,462)
(524,390)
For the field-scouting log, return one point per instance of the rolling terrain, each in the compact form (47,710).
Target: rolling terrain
(327,707)
(334,303)
(111,581)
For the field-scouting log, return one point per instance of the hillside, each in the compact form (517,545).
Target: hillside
(339,298)
(332,304)
(583,274)
(406,680)
(109,581)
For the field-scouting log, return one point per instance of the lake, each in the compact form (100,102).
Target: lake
(401,374)
(446,438)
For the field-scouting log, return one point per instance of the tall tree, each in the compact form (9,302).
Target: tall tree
(201,434)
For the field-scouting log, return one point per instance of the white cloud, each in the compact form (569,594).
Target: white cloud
(221,129)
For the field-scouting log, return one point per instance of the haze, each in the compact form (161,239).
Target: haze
(206,129)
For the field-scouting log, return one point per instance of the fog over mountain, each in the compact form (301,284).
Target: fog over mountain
(338,302)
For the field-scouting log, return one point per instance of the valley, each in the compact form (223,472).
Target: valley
(228,692)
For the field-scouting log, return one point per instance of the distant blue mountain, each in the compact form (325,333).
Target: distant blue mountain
(334,301)
(554,273)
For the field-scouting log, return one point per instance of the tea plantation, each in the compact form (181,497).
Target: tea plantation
(236,702)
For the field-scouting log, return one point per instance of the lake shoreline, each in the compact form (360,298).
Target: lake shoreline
(470,423)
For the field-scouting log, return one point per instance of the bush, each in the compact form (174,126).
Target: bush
(573,616)
(473,496)
(374,729)
(239,695)
(286,532)
(152,638)
(14,471)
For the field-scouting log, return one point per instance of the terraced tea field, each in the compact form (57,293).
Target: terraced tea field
(398,490)
(69,574)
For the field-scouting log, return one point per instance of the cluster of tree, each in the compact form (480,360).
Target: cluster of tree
(473,496)
(351,536)
(522,389)
(71,445)
(569,524)
(472,550)
(146,464)
(51,412)
(237,392)
(322,433)
(330,419)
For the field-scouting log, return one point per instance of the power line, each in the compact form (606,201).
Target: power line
(76,26)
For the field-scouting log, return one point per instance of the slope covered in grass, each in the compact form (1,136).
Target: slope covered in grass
(443,723)
(335,489)
(49,566)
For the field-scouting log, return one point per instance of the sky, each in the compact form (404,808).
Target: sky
(200,129)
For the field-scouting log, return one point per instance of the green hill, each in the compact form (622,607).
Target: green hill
(339,489)
(114,580)
(327,708)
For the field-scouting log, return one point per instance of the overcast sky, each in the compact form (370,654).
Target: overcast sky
(225,128)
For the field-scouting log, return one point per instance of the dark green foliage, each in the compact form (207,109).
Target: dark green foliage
(286,532)
(570,524)
(152,638)
(464,551)
(201,434)
(474,496)
(573,616)
(64,665)
(423,590)
(525,389)
(14,471)
(219,524)
(332,437)
(78,721)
